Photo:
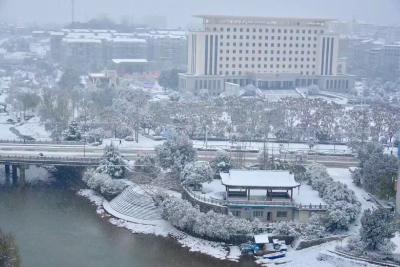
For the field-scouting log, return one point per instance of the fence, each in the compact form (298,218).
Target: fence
(46,159)
(33,142)
(224,203)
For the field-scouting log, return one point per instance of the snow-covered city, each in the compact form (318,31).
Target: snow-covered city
(199,133)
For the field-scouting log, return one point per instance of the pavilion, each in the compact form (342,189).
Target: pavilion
(258,185)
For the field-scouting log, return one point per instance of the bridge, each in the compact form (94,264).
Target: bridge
(19,155)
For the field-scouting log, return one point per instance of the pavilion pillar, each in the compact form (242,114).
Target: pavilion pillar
(291,194)
(248,194)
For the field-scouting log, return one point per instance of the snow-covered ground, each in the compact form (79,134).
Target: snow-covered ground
(5,132)
(144,143)
(34,128)
(276,147)
(147,143)
(396,241)
(305,195)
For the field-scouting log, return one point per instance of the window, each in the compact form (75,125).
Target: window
(258,213)
(236,213)
(281,214)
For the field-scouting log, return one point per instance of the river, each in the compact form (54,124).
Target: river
(55,227)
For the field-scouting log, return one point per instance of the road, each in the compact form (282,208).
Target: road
(79,151)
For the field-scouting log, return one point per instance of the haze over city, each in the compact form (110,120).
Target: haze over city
(179,12)
(201,133)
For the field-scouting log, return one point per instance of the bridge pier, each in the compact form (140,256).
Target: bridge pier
(22,169)
(7,171)
(14,174)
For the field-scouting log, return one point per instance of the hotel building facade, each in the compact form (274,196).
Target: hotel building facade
(270,53)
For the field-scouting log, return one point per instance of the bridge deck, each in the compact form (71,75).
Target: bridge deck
(46,160)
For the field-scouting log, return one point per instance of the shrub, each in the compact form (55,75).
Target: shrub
(210,225)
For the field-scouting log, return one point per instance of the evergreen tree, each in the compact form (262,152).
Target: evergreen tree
(112,163)
(196,173)
(72,133)
(377,228)
(176,152)
(222,162)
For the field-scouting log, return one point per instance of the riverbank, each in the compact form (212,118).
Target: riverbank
(54,227)
(214,249)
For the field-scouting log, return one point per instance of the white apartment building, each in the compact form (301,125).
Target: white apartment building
(270,53)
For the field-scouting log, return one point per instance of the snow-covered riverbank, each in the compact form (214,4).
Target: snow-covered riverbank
(213,249)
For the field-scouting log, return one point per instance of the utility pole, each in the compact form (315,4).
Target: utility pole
(72,11)
(397,209)
(84,129)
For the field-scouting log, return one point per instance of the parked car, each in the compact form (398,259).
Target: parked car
(129,138)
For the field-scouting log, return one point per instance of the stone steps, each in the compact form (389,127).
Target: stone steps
(135,203)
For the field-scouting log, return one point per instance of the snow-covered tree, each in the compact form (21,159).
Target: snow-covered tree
(112,187)
(377,228)
(343,206)
(196,173)
(176,152)
(112,163)
(222,162)
(210,225)
(314,229)
(73,132)
(377,171)
(147,165)
(9,256)
(287,228)
(103,183)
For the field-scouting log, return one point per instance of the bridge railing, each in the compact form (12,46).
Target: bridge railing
(39,142)
(49,158)
(220,202)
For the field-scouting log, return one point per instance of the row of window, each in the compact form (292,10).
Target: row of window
(307,73)
(267,30)
(272,37)
(269,45)
(302,59)
(207,84)
(271,51)
(260,214)
(266,66)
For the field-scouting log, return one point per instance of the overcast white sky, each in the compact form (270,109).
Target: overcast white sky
(179,12)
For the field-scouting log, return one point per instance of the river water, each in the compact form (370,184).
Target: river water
(54,227)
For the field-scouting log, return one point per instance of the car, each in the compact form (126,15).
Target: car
(41,154)
(129,138)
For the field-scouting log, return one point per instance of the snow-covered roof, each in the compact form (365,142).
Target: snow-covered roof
(128,40)
(259,179)
(81,40)
(261,239)
(129,60)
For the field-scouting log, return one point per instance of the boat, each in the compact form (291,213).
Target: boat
(275,255)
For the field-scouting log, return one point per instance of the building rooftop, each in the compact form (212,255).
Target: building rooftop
(81,40)
(128,40)
(259,179)
(129,60)
(259,19)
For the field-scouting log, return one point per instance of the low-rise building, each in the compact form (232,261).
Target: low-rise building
(269,196)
